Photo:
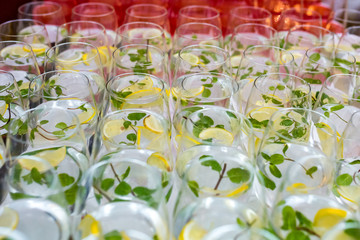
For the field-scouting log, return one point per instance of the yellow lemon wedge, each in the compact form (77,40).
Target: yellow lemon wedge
(185,141)
(9,218)
(3,107)
(144,84)
(238,191)
(87,116)
(327,218)
(262,113)
(235,61)
(153,124)
(350,193)
(113,128)
(222,136)
(297,188)
(187,93)
(14,51)
(159,160)
(54,157)
(192,231)
(89,226)
(143,93)
(192,59)
(38,48)
(70,57)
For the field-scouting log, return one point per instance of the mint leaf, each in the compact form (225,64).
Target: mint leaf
(123,189)
(311,170)
(275,170)
(107,183)
(238,175)
(65,179)
(136,116)
(289,218)
(194,187)
(344,179)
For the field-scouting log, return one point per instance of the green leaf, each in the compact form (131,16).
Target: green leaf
(27,178)
(36,175)
(71,194)
(59,133)
(194,187)
(206,93)
(275,170)
(230,114)
(268,183)
(43,122)
(303,220)
(127,124)
(313,81)
(123,189)
(265,156)
(65,179)
(136,116)
(344,179)
(240,223)
(289,218)
(61,125)
(286,147)
(314,57)
(311,170)
(131,137)
(355,162)
(125,174)
(336,108)
(238,175)
(297,235)
(143,192)
(276,159)
(210,163)
(286,122)
(15,196)
(113,235)
(107,183)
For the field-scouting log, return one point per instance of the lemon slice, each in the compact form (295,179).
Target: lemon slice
(75,37)
(159,160)
(87,116)
(208,42)
(143,93)
(262,113)
(9,218)
(38,48)
(153,124)
(151,33)
(327,218)
(220,135)
(3,107)
(14,51)
(296,188)
(70,57)
(238,191)
(235,61)
(192,59)
(188,93)
(350,193)
(113,128)
(54,157)
(192,231)
(144,84)
(89,226)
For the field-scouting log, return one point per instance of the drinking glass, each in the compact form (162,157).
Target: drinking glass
(198,13)
(150,13)
(248,14)
(347,17)
(67,6)
(203,88)
(12,234)
(298,16)
(135,128)
(338,99)
(102,13)
(39,218)
(248,35)
(347,179)
(301,140)
(49,13)
(348,229)
(126,180)
(29,31)
(194,33)
(124,220)
(215,218)
(54,135)
(214,126)
(79,56)
(262,59)
(71,90)
(140,58)
(141,33)
(142,91)
(11,100)
(201,58)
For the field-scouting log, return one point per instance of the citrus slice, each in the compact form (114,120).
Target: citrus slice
(89,226)
(151,33)
(192,59)
(238,191)
(235,61)
(153,124)
(187,93)
(14,51)
(3,107)
(350,193)
(222,136)
(75,37)
(262,113)
(54,157)
(208,42)
(88,115)
(143,93)
(159,160)
(9,218)
(38,48)
(146,83)
(192,231)
(327,218)
(113,128)
(70,57)
(297,188)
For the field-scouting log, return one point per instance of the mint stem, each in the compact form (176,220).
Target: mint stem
(220,177)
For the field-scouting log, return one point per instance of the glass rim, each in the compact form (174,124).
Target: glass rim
(258,9)
(218,30)
(21,10)
(224,53)
(129,12)
(202,7)
(329,80)
(292,76)
(109,88)
(295,28)
(54,50)
(77,9)
(36,23)
(122,30)
(224,76)
(246,53)
(348,29)
(335,52)
(255,25)
(300,10)
(310,111)
(26,116)
(12,78)
(92,23)
(55,72)
(343,10)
